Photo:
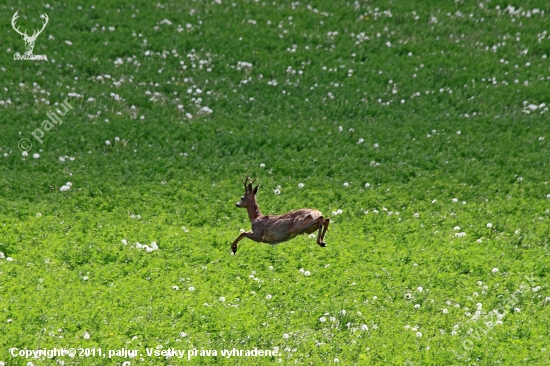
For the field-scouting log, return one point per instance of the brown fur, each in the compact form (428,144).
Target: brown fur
(274,229)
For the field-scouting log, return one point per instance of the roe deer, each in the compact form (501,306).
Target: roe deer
(274,229)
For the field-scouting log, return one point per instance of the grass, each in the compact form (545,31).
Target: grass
(425,124)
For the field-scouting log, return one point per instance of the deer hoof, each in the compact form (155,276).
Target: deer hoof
(233,250)
(322,244)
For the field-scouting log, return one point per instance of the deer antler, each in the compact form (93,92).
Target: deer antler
(247,182)
(25,35)
(35,34)
(13,20)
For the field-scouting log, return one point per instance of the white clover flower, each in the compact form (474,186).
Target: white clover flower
(455,200)
(107,142)
(376,145)
(117,139)
(360,141)
(489,225)
(420,289)
(346,184)
(417,306)
(456,228)
(322,319)
(286,336)
(367,185)
(276,191)
(222,299)
(307,273)
(36,156)
(175,288)
(268,296)
(364,327)
(191,288)
(445,311)
(24,153)
(262,165)
(85,278)
(495,270)
(300,185)
(418,334)
(205,110)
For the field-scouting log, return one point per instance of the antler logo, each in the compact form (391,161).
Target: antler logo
(29,40)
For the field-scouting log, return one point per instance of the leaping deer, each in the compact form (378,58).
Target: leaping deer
(274,229)
(29,40)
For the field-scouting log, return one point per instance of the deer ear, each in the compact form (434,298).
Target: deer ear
(256,189)
(249,187)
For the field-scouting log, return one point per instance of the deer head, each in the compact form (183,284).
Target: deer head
(248,198)
(29,40)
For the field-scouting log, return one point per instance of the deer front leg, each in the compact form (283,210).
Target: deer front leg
(249,235)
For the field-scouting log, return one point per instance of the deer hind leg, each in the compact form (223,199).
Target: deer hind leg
(325,227)
(321,225)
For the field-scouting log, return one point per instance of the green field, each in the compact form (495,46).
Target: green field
(421,128)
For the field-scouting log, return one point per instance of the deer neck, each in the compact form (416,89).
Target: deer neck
(253,211)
